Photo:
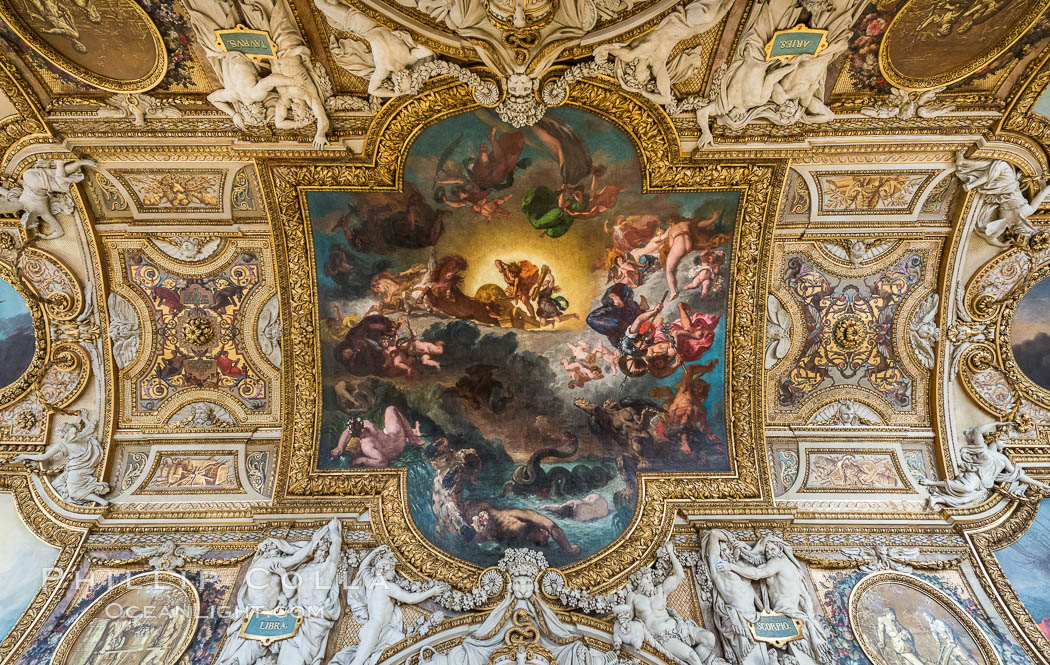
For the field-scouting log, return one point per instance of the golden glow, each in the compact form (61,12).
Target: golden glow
(573,258)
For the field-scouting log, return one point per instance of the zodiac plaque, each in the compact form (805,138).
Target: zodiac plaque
(270,627)
(256,44)
(800,40)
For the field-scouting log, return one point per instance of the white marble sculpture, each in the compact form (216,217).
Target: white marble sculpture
(679,636)
(124,329)
(923,332)
(562,640)
(906,104)
(982,465)
(859,250)
(783,93)
(285,90)
(778,331)
(264,593)
(646,66)
(734,602)
(137,107)
(292,577)
(168,555)
(79,445)
(43,192)
(782,579)
(519,49)
(188,248)
(269,331)
(383,58)
(469,20)
(846,413)
(1007,210)
(375,598)
(313,590)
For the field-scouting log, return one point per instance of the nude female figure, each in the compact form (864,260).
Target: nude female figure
(376,447)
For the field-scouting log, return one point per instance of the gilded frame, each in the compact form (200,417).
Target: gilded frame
(1004,342)
(994,580)
(116,247)
(62,651)
(664,169)
(144,489)
(52,55)
(998,314)
(959,72)
(38,276)
(930,591)
(15,390)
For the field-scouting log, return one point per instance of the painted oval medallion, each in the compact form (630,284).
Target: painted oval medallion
(901,619)
(1030,335)
(932,43)
(148,618)
(110,44)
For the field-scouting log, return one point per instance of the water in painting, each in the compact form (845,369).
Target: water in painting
(524,330)
(1027,565)
(17,343)
(1030,334)
(24,563)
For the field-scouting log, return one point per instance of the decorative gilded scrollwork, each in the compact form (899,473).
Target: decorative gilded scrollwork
(380,167)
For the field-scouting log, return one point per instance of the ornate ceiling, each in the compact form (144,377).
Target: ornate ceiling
(588,332)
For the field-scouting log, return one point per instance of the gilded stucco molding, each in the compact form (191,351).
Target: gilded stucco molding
(998,586)
(381,167)
(69,542)
(28,123)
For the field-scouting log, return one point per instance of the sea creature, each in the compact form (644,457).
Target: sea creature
(532,478)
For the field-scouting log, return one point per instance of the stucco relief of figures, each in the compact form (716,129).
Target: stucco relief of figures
(751,88)
(289,90)
(1005,209)
(42,192)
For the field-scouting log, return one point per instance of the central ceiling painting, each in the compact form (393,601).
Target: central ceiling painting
(524,331)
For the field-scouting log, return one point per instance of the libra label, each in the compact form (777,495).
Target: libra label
(270,627)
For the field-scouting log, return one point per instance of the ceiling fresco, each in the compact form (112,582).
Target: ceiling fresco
(532,332)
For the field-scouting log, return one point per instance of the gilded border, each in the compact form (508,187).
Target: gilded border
(995,581)
(663,169)
(930,591)
(69,542)
(155,577)
(1015,32)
